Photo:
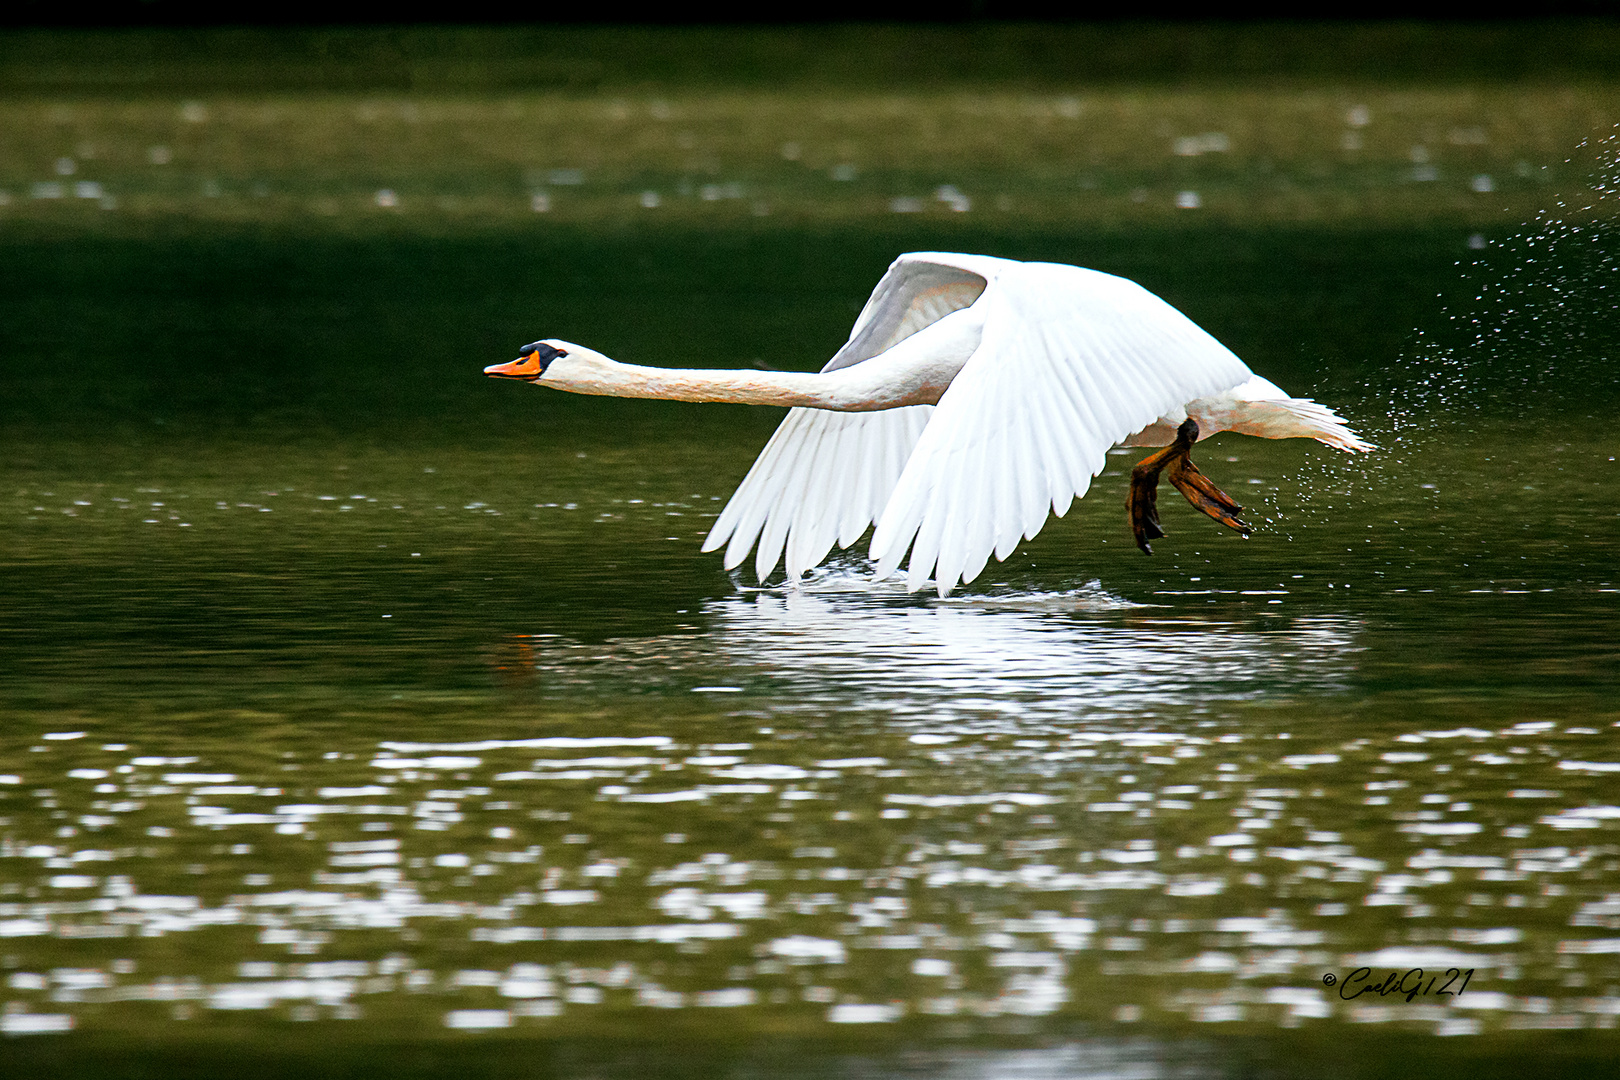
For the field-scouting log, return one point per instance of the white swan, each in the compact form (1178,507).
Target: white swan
(974,395)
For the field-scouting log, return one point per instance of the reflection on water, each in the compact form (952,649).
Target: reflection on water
(846,807)
(842,641)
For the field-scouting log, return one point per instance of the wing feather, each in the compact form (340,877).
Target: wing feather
(1067,478)
(822,478)
(791,497)
(1070,363)
(815,526)
(1047,431)
(1000,529)
(1004,528)
(1031,472)
(868,465)
(744,515)
(916,291)
(973,515)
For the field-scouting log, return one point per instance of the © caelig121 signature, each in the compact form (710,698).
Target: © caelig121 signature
(1408,984)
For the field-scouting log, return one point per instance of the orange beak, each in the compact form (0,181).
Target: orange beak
(524,368)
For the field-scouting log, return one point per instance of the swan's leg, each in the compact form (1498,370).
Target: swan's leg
(1142,504)
(1199,490)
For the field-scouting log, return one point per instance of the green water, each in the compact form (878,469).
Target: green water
(362,715)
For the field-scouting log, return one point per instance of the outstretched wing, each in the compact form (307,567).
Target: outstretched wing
(1071,362)
(825,476)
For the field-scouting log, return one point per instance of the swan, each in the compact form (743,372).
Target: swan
(974,395)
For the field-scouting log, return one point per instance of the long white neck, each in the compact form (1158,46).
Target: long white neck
(914,372)
(609,378)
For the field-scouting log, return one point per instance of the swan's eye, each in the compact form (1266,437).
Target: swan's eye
(547,353)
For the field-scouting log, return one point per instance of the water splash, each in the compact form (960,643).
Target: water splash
(1529,323)
(1528,332)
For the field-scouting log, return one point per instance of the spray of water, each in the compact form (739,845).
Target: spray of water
(1530,333)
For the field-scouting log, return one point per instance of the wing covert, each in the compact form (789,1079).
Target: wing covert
(917,290)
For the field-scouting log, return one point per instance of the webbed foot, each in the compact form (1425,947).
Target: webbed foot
(1142,503)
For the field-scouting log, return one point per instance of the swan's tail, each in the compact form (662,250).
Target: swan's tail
(1305,417)
(1261,407)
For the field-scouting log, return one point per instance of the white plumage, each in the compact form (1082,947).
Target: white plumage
(974,396)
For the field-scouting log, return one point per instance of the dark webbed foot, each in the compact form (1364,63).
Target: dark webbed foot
(1203,494)
(1142,503)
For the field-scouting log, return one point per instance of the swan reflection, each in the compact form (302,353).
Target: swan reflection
(844,642)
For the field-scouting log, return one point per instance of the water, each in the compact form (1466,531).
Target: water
(373,717)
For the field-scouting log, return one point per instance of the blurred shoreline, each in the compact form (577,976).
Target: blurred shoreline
(853,56)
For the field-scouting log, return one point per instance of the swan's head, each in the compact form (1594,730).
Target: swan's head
(532,362)
(554,363)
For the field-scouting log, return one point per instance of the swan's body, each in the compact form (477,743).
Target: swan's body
(974,395)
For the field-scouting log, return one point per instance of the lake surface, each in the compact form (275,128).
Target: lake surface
(363,715)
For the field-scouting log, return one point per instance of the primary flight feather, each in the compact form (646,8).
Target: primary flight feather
(974,395)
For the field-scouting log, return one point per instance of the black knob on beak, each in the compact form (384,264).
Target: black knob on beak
(546,353)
